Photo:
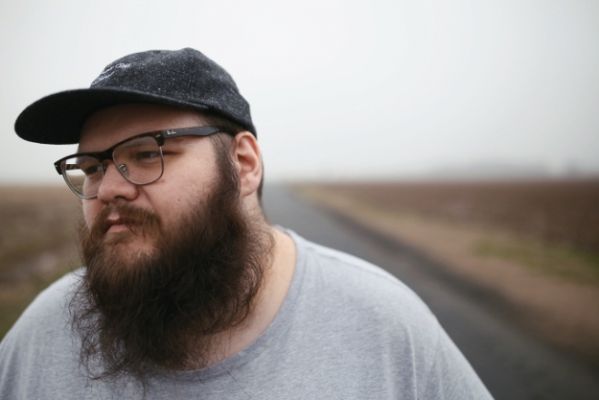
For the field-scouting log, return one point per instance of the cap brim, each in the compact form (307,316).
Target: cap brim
(58,118)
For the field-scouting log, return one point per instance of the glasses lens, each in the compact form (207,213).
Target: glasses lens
(139,160)
(83,174)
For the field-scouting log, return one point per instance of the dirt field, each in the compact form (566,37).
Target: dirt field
(553,211)
(535,244)
(37,244)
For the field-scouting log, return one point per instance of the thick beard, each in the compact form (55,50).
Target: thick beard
(163,309)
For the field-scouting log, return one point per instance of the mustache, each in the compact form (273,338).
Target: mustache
(138,220)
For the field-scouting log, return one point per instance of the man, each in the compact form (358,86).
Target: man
(187,291)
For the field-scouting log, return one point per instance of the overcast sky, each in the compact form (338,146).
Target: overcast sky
(340,89)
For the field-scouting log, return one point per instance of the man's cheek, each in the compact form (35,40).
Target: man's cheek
(89,213)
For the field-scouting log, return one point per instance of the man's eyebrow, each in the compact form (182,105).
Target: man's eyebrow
(175,140)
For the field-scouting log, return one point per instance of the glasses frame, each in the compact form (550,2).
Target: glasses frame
(160,137)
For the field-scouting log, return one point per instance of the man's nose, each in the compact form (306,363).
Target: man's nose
(114,185)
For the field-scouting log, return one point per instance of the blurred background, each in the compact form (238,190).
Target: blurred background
(344,89)
(453,143)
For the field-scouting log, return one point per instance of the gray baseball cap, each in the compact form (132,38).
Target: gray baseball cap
(183,78)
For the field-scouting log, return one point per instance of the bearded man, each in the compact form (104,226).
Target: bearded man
(187,290)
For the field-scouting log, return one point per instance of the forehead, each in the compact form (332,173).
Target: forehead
(114,124)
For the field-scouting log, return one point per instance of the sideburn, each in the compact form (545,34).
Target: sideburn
(164,310)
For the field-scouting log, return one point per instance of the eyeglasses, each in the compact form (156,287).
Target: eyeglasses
(138,159)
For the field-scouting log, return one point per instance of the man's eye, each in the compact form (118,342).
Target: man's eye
(91,169)
(147,156)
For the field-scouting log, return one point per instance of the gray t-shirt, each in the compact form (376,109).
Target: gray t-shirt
(346,330)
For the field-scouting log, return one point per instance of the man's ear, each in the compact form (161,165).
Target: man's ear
(247,160)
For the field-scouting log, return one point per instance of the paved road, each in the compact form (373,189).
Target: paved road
(510,362)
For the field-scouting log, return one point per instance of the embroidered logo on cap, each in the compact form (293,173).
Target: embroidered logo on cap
(108,72)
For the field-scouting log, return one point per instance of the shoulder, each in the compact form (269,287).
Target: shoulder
(357,281)
(371,312)
(45,319)
(39,346)
(52,303)
(359,292)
